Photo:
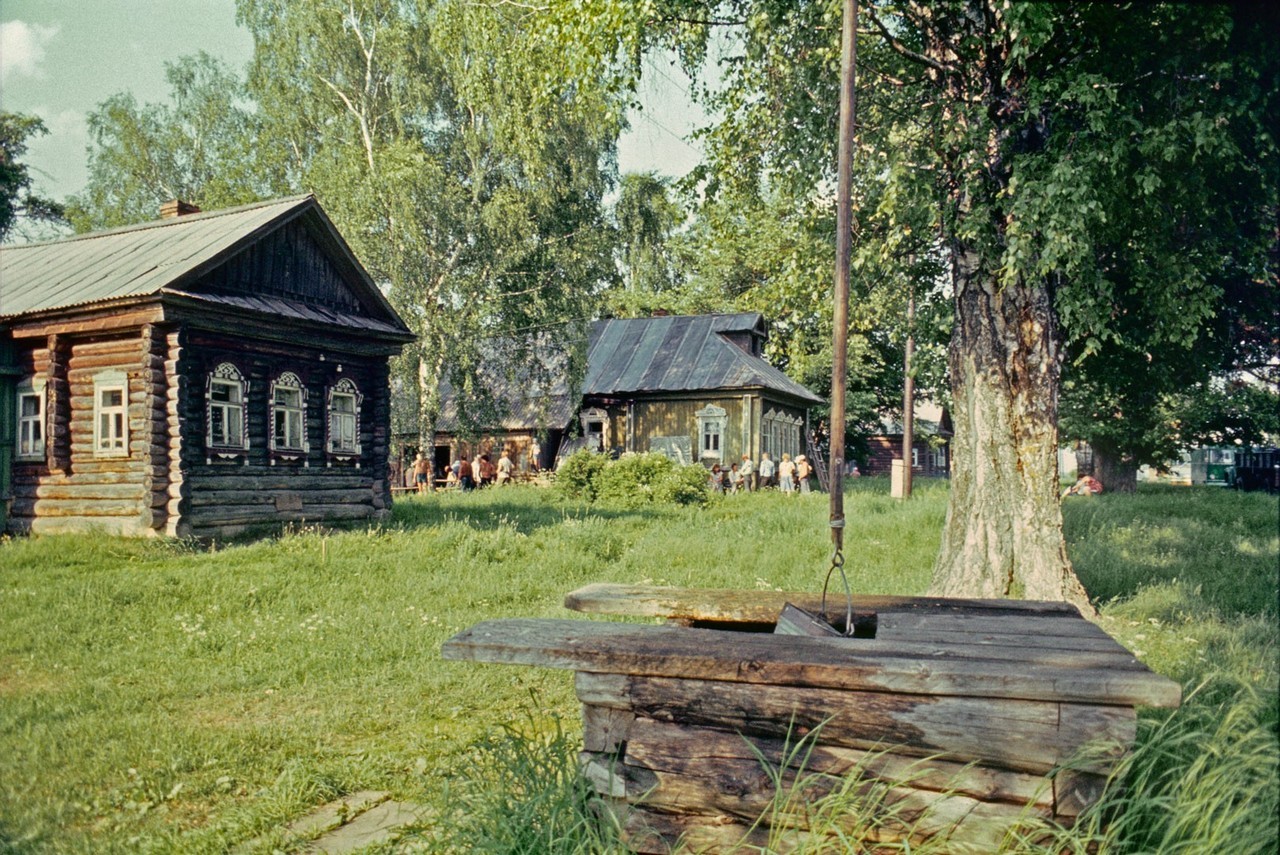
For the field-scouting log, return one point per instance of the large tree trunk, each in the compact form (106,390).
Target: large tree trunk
(1003,534)
(1118,473)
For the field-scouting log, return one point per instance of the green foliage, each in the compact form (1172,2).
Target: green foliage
(632,481)
(524,793)
(269,677)
(204,148)
(17,201)
(579,474)
(1204,779)
(683,485)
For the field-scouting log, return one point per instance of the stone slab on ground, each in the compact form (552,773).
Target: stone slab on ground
(335,813)
(324,818)
(378,825)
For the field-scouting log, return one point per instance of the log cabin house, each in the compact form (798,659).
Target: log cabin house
(693,387)
(930,447)
(206,374)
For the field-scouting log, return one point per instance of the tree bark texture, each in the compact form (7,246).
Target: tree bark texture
(1003,533)
(1117,473)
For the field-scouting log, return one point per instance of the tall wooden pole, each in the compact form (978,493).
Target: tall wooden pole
(908,395)
(844,248)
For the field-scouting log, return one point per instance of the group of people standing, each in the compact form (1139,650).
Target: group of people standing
(465,475)
(789,476)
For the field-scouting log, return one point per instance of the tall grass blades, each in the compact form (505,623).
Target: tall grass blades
(520,793)
(1204,780)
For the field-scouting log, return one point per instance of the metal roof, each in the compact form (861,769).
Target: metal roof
(162,256)
(680,354)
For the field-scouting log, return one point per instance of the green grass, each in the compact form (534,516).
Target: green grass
(158,697)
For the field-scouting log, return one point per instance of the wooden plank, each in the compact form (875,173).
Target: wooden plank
(868,665)
(1009,734)
(657,833)
(866,810)
(604,729)
(663,746)
(763,606)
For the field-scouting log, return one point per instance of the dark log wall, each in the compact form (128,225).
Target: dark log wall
(74,489)
(883,450)
(261,490)
(287,263)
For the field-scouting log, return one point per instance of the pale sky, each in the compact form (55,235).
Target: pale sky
(59,59)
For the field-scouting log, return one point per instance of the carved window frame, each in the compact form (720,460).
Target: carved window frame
(31,428)
(595,415)
(110,420)
(287,381)
(226,375)
(344,389)
(713,421)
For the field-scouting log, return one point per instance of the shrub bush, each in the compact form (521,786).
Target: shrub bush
(684,485)
(631,481)
(578,475)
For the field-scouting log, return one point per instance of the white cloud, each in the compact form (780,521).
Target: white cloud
(22,48)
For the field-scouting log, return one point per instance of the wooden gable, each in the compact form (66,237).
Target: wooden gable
(290,263)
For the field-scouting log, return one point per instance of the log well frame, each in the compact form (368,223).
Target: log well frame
(972,715)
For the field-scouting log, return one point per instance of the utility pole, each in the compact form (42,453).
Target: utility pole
(844,249)
(908,395)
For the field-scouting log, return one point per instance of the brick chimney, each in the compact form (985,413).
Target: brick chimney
(177,208)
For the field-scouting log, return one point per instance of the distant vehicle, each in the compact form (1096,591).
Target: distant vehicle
(1213,467)
(1258,468)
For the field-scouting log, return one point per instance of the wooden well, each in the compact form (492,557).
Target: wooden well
(964,709)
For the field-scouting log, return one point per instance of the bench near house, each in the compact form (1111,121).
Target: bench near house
(206,374)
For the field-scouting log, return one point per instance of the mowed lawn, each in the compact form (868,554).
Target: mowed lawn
(160,696)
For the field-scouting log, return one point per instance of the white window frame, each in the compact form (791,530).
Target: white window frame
(227,375)
(31,429)
(344,389)
(595,416)
(114,440)
(288,381)
(940,458)
(915,458)
(712,423)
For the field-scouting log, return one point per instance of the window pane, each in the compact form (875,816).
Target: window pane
(217,425)
(288,397)
(112,397)
(344,403)
(30,406)
(225,393)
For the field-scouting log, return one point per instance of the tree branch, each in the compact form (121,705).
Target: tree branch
(902,50)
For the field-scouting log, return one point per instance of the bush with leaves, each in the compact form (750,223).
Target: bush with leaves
(631,481)
(684,485)
(578,474)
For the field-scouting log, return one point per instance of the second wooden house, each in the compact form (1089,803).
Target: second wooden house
(694,387)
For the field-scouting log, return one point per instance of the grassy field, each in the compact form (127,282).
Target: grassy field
(160,697)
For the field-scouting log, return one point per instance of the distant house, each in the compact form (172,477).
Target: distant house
(693,387)
(930,449)
(206,374)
